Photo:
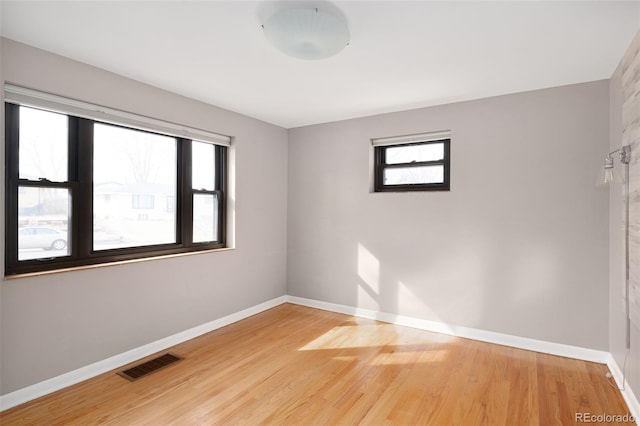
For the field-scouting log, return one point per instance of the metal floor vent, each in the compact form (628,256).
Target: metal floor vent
(148,367)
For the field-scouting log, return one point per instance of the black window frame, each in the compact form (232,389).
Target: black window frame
(380,166)
(80,185)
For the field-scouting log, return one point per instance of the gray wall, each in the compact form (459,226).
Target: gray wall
(519,245)
(617,305)
(56,323)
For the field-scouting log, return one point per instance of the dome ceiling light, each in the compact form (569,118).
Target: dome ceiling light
(309,33)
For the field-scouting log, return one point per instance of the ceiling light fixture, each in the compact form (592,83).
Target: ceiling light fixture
(305,32)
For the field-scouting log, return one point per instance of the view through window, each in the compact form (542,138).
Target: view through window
(82,192)
(134,186)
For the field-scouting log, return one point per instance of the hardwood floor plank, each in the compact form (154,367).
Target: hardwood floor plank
(297,365)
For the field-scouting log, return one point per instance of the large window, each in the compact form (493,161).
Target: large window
(411,164)
(80,192)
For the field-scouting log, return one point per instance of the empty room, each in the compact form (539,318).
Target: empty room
(320,212)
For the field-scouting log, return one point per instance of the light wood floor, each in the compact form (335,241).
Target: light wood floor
(296,365)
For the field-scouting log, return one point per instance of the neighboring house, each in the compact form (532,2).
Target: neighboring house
(137,201)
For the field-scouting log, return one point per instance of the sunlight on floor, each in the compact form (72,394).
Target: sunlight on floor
(355,336)
(377,335)
(400,357)
(410,357)
(396,347)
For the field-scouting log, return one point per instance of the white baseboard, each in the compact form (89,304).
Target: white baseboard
(559,349)
(632,402)
(59,382)
(56,383)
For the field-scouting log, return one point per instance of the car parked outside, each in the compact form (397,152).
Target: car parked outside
(41,237)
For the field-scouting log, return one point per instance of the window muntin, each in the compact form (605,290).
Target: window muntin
(415,166)
(81,210)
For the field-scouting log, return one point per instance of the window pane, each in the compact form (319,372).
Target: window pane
(203,167)
(205,218)
(414,175)
(43,145)
(134,188)
(43,219)
(410,153)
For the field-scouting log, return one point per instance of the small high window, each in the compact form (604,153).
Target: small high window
(412,163)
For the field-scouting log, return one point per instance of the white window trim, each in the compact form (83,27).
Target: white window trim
(34,98)
(420,137)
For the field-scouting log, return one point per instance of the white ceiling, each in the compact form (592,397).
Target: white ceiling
(403,54)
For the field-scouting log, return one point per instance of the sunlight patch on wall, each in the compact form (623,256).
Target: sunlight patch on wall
(369,273)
